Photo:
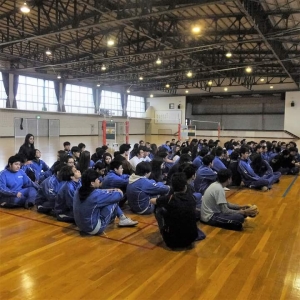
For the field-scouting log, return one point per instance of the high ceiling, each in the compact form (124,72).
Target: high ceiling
(262,34)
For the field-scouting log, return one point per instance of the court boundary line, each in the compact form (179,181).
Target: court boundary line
(290,186)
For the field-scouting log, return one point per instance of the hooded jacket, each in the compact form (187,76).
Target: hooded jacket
(141,189)
(204,177)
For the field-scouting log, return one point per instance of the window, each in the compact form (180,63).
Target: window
(3,96)
(111,103)
(36,94)
(79,99)
(135,106)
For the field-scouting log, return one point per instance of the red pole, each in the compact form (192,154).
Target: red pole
(179,132)
(127,132)
(219,130)
(104,132)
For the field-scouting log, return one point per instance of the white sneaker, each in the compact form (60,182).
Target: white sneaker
(226,189)
(127,222)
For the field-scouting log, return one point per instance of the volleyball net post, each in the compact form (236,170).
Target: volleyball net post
(179,132)
(104,132)
(127,132)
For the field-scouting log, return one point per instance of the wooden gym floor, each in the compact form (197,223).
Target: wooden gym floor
(45,259)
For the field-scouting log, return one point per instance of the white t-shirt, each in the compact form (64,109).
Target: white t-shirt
(134,161)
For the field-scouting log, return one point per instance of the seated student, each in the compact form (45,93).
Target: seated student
(84,162)
(190,173)
(115,177)
(233,167)
(75,151)
(67,148)
(156,169)
(140,189)
(146,154)
(47,193)
(107,158)
(197,162)
(63,208)
(81,147)
(175,215)
(166,146)
(139,157)
(184,158)
(38,165)
(205,176)
(249,177)
(123,157)
(257,152)
(99,167)
(94,208)
(216,211)
(16,188)
(262,168)
(288,162)
(98,155)
(217,163)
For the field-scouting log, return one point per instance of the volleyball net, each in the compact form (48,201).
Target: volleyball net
(207,128)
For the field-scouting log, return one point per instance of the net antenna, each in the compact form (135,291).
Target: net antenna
(216,125)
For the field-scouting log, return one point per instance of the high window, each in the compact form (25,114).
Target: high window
(79,99)
(135,106)
(110,103)
(36,94)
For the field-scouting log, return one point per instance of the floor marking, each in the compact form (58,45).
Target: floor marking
(290,186)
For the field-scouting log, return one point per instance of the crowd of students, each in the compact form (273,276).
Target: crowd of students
(180,183)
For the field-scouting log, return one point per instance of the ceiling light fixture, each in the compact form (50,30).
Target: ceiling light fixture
(271,86)
(228,54)
(103,68)
(151,96)
(128,91)
(262,79)
(58,76)
(225,89)
(248,69)
(186,91)
(48,52)
(196,29)
(158,61)
(189,74)
(167,85)
(25,9)
(141,78)
(210,82)
(98,84)
(110,42)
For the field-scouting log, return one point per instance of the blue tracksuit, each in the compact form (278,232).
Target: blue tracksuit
(204,177)
(94,213)
(113,180)
(217,164)
(251,179)
(197,162)
(38,166)
(47,193)
(13,182)
(139,192)
(64,200)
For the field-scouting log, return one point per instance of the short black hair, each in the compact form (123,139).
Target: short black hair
(203,151)
(115,164)
(67,144)
(189,171)
(13,159)
(65,173)
(185,150)
(75,149)
(207,160)
(99,165)
(244,149)
(184,158)
(178,182)
(123,148)
(219,151)
(143,168)
(104,147)
(223,175)
(81,145)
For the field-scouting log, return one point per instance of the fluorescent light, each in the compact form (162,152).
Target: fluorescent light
(262,79)
(25,9)
(48,52)
(141,78)
(228,54)
(167,85)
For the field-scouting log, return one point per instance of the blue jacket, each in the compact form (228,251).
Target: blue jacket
(64,200)
(113,180)
(247,173)
(97,206)
(141,189)
(48,191)
(204,177)
(13,182)
(197,162)
(38,167)
(218,164)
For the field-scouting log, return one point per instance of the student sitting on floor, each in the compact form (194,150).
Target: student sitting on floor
(216,211)
(205,175)
(85,161)
(47,193)
(67,148)
(63,208)
(16,188)
(175,215)
(99,167)
(140,189)
(217,163)
(95,208)
(197,162)
(39,166)
(249,177)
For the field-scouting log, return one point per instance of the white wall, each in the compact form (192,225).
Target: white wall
(292,114)
(70,124)
(160,104)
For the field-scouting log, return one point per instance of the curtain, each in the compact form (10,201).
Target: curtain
(95,94)
(15,90)
(5,77)
(56,88)
(63,108)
